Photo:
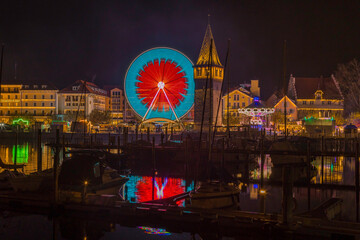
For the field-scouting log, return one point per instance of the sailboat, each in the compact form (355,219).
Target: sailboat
(212,193)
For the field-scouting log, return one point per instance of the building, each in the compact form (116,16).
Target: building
(115,103)
(208,56)
(36,100)
(239,97)
(82,96)
(291,108)
(316,97)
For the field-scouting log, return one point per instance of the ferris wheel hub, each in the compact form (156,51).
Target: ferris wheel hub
(161,85)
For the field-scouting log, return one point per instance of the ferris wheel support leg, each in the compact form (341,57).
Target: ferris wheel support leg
(151,105)
(172,109)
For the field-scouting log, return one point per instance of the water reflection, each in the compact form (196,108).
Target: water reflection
(26,153)
(140,188)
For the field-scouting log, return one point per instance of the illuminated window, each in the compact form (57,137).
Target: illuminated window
(15,96)
(43,112)
(311,102)
(34,112)
(243,104)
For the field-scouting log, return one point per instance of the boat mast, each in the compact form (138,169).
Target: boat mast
(1,66)
(210,97)
(285,88)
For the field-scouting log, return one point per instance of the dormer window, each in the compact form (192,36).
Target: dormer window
(35,86)
(75,88)
(43,86)
(318,95)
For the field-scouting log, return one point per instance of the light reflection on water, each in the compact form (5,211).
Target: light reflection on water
(337,170)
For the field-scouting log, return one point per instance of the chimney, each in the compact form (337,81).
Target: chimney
(254,88)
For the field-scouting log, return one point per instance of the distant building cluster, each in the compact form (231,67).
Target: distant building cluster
(305,98)
(44,102)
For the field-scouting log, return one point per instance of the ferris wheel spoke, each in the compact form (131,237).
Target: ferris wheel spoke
(151,105)
(172,109)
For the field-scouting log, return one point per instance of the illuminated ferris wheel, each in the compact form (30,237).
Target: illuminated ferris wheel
(159,85)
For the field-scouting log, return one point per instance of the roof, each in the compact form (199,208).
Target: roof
(43,86)
(205,50)
(80,88)
(305,88)
(240,89)
(256,104)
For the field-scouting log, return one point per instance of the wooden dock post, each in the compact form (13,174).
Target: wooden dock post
(154,168)
(166,134)
(357,179)
(16,146)
(56,165)
(63,145)
(148,134)
(322,160)
(262,190)
(287,198)
(118,144)
(308,173)
(39,151)
(136,132)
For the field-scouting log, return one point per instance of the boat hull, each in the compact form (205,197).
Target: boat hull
(215,200)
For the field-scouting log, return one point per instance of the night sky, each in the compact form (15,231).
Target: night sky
(63,41)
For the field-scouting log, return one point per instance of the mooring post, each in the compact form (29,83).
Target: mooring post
(136,132)
(39,152)
(357,179)
(63,146)
(154,168)
(287,198)
(56,165)
(322,159)
(262,190)
(166,134)
(308,173)
(148,134)
(118,144)
(16,146)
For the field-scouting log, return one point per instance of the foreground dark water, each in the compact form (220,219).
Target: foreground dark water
(337,170)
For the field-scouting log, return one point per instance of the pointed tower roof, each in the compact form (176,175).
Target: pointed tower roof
(205,50)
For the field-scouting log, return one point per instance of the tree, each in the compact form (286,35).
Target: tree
(97,117)
(348,76)
(73,116)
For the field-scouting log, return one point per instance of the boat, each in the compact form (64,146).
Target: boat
(34,182)
(89,174)
(216,190)
(215,195)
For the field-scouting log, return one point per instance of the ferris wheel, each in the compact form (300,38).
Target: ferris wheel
(159,85)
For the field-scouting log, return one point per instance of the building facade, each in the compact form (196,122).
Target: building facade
(115,103)
(36,100)
(238,98)
(316,97)
(82,96)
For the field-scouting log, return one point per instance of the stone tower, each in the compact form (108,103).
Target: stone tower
(201,76)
